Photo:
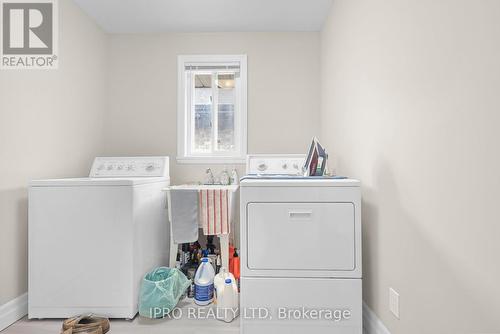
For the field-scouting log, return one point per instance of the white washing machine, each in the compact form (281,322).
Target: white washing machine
(300,250)
(92,239)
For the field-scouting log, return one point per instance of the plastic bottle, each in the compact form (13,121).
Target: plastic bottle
(221,277)
(209,177)
(191,290)
(204,283)
(212,258)
(224,177)
(218,263)
(234,177)
(231,254)
(235,268)
(227,302)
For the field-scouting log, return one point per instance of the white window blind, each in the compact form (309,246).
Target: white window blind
(212,66)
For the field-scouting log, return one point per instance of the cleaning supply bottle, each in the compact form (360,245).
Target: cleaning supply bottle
(231,253)
(236,267)
(224,177)
(218,263)
(234,177)
(227,302)
(209,177)
(235,270)
(204,283)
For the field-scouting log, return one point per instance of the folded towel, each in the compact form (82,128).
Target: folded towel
(184,215)
(214,211)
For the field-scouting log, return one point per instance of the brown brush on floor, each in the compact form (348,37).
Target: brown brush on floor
(86,324)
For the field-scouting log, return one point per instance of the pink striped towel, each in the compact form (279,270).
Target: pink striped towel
(214,211)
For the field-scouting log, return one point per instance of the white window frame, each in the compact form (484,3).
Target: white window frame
(184,154)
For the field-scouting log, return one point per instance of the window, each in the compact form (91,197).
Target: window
(212,120)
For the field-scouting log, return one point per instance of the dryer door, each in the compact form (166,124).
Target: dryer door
(301,236)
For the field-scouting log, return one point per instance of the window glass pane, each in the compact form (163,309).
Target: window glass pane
(202,113)
(226,95)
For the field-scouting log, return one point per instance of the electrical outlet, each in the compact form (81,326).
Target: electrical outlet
(394,302)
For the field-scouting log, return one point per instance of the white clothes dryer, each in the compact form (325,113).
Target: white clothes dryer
(300,249)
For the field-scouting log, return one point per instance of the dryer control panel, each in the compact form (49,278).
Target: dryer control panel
(275,164)
(130,167)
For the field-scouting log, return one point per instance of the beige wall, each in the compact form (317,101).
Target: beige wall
(410,105)
(117,95)
(50,126)
(283,92)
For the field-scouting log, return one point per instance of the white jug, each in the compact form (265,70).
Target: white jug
(204,283)
(227,301)
(220,279)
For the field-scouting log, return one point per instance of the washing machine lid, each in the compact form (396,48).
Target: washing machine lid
(88,181)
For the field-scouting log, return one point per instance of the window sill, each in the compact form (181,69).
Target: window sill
(211,160)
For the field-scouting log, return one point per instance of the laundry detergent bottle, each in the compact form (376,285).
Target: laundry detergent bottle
(204,283)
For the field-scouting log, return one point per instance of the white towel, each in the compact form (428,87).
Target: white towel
(214,211)
(184,215)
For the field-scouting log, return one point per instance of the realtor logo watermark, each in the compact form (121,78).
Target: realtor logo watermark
(29,34)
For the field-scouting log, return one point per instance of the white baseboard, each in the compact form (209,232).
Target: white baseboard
(13,310)
(371,323)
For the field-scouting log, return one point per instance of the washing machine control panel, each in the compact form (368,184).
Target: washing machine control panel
(275,164)
(130,167)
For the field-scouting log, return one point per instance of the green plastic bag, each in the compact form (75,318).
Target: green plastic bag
(160,291)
